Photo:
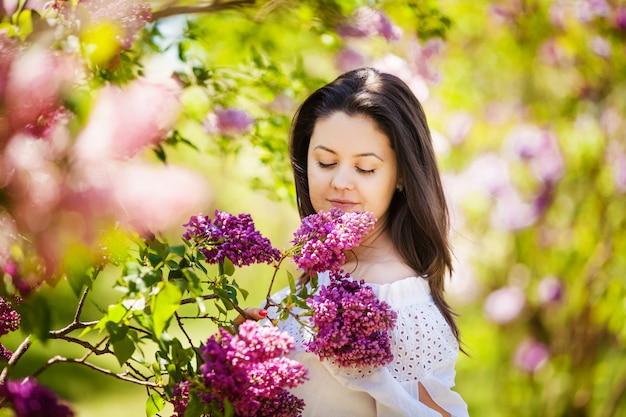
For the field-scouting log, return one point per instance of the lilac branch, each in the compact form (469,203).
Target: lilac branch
(213,7)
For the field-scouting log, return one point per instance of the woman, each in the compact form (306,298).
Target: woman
(362,143)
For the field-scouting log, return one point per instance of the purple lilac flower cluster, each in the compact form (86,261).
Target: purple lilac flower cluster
(250,371)
(232,237)
(351,324)
(324,236)
(30,399)
(9,322)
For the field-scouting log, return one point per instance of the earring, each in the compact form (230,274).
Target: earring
(400,187)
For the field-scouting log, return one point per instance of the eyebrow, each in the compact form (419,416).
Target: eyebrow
(359,155)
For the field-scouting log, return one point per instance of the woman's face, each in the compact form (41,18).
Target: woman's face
(351,165)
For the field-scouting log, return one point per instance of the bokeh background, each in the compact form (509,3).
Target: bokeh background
(527,106)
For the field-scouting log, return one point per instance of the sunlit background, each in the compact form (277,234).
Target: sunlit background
(527,106)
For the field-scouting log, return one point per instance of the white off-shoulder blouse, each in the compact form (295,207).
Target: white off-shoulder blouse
(424,350)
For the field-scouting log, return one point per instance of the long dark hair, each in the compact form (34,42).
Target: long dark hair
(417,218)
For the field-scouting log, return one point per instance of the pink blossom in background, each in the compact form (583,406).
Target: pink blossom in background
(33,181)
(399,67)
(35,84)
(557,13)
(539,147)
(587,10)
(488,172)
(612,121)
(142,196)
(551,53)
(619,19)
(504,305)
(367,22)
(421,56)
(125,120)
(530,355)
(512,212)
(458,126)
(550,290)
(282,104)
(349,58)
(600,46)
(228,122)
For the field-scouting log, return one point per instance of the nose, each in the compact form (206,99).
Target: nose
(342,179)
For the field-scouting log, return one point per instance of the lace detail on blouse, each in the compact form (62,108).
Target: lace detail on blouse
(421,342)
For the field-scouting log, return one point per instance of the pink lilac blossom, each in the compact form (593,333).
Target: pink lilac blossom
(600,46)
(228,122)
(587,10)
(30,399)
(619,19)
(125,120)
(550,290)
(504,305)
(422,56)
(230,236)
(323,236)
(349,58)
(368,22)
(24,286)
(249,370)
(530,355)
(9,318)
(351,324)
(180,398)
(399,67)
(539,148)
(9,322)
(36,69)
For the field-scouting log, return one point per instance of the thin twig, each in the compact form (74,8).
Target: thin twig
(85,344)
(123,377)
(182,328)
(203,8)
(21,349)
(202,297)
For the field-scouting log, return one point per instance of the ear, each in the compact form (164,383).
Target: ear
(400,185)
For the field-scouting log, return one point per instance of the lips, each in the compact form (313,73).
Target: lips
(345,205)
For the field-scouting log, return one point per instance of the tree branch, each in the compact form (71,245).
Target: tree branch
(123,376)
(21,349)
(203,297)
(201,8)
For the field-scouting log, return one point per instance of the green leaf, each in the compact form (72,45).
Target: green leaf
(164,306)
(154,404)
(177,250)
(25,22)
(229,410)
(229,268)
(36,316)
(123,350)
(117,331)
(292,282)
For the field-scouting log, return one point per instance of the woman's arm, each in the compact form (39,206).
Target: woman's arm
(426,399)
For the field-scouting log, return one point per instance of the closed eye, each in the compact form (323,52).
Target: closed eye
(323,165)
(365,171)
